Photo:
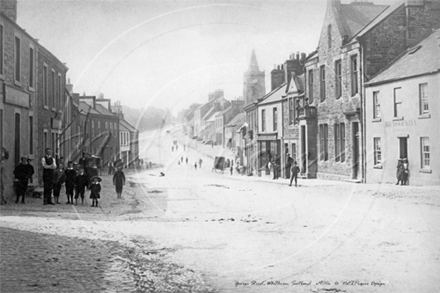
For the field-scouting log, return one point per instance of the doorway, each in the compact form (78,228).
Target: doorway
(403,147)
(355,140)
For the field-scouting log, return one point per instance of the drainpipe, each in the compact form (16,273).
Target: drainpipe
(363,113)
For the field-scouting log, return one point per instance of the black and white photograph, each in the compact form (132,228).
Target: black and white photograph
(220,146)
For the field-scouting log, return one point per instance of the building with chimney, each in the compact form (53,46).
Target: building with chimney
(402,116)
(18,95)
(357,41)
(254,88)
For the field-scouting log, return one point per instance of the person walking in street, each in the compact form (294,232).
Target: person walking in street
(186,160)
(21,178)
(294,171)
(70,174)
(95,193)
(119,182)
(200,163)
(81,181)
(110,168)
(195,166)
(58,180)
(49,165)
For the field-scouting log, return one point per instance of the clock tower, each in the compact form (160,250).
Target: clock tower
(253,82)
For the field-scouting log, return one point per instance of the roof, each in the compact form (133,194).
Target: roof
(85,108)
(212,118)
(416,61)
(275,95)
(386,11)
(102,110)
(209,113)
(355,16)
(224,111)
(237,120)
(127,125)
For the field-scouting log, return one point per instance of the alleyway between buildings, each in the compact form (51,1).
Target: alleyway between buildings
(195,230)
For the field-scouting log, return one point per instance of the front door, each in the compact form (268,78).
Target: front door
(403,147)
(355,145)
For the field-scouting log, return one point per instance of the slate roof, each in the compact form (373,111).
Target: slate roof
(417,60)
(382,16)
(237,120)
(86,108)
(127,125)
(209,113)
(275,95)
(355,16)
(102,110)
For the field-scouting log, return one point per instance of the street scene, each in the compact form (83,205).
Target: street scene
(228,146)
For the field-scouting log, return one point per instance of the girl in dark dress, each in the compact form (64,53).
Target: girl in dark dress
(119,181)
(95,191)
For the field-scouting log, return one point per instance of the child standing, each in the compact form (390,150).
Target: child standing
(95,190)
(81,182)
(118,182)
(70,174)
(58,180)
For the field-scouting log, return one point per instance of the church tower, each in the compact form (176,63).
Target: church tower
(253,82)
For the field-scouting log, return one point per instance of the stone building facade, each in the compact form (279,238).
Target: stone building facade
(350,51)
(18,95)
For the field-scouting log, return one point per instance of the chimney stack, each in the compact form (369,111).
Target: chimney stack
(9,8)
(277,77)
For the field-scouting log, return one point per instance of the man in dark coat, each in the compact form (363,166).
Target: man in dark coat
(49,165)
(294,171)
(21,175)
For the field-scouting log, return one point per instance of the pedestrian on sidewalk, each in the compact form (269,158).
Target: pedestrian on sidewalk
(231,169)
(399,173)
(81,181)
(70,174)
(294,171)
(30,168)
(111,168)
(58,180)
(49,166)
(187,160)
(21,178)
(405,172)
(195,165)
(95,190)
(200,163)
(119,182)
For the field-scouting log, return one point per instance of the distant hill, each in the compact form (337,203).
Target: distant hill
(147,119)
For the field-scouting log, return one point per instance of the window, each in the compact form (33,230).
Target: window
(45,84)
(425,152)
(423,98)
(376,105)
(338,77)
(377,151)
(17,58)
(342,136)
(293,151)
(1,49)
(275,119)
(52,89)
(31,67)
(337,142)
(292,111)
(322,82)
(329,35)
(397,103)
(310,86)
(323,137)
(31,134)
(263,120)
(60,93)
(354,75)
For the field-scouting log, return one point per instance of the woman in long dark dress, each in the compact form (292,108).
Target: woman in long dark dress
(119,181)
(95,191)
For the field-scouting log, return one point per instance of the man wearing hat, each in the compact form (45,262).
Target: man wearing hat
(21,178)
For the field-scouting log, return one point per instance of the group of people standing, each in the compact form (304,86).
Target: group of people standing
(402,172)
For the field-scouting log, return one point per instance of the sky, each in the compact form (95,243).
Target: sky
(170,53)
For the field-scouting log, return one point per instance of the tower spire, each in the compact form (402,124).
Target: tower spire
(253,65)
